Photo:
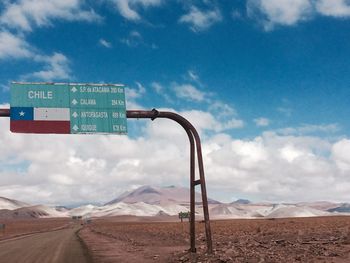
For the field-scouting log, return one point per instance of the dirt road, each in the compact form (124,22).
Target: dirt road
(60,246)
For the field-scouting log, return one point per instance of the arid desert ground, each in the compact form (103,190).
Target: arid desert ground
(142,239)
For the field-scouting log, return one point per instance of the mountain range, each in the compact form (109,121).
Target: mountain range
(169,201)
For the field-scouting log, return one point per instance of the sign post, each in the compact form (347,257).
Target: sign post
(68,108)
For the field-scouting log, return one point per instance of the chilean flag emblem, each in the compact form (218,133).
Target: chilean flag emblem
(40,120)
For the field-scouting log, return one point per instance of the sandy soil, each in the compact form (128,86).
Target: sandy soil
(325,239)
(60,246)
(115,241)
(19,227)
(133,239)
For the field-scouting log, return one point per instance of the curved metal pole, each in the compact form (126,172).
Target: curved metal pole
(191,132)
(153,115)
(203,189)
(187,125)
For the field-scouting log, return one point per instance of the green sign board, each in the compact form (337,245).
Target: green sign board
(68,108)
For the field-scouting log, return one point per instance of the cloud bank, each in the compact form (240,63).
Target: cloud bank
(61,169)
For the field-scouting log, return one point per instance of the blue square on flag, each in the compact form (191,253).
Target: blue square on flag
(21,113)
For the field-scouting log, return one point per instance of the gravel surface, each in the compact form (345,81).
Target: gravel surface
(325,239)
(60,246)
(20,227)
(133,242)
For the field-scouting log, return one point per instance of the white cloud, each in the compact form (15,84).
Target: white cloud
(69,170)
(12,46)
(262,122)
(135,34)
(225,115)
(273,167)
(222,109)
(134,39)
(105,43)
(208,122)
(285,110)
(158,88)
(126,11)
(5,88)
(76,168)
(290,153)
(251,152)
(141,88)
(279,12)
(132,94)
(273,13)
(341,154)
(135,93)
(154,46)
(309,129)
(335,8)
(193,75)
(189,92)
(201,20)
(128,8)
(23,14)
(236,15)
(232,124)
(56,68)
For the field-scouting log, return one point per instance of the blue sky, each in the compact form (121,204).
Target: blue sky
(272,74)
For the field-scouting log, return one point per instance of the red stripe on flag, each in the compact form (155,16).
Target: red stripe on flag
(40,126)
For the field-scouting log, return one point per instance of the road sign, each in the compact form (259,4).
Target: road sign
(68,108)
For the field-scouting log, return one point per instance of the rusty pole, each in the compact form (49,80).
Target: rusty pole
(193,136)
(188,127)
(134,114)
(203,190)
(179,119)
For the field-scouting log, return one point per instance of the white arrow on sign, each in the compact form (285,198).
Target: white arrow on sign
(74,102)
(75,128)
(74,89)
(75,114)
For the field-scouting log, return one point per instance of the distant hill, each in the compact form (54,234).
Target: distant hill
(343,208)
(241,202)
(6,203)
(38,211)
(150,201)
(233,211)
(321,205)
(296,211)
(159,196)
(22,213)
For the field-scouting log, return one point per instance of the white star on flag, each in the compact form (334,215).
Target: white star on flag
(21,113)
